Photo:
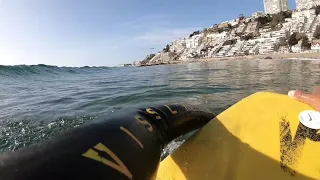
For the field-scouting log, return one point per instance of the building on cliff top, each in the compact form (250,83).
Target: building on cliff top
(257,14)
(275,6)
(306,4)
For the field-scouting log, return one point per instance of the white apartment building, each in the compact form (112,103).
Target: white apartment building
(275,6)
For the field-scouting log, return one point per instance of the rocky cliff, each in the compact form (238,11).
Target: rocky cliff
(291,31)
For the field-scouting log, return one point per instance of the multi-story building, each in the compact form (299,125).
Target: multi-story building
(306,4)
(275,6)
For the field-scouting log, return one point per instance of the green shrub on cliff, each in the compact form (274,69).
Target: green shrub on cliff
(296,37)
(305,43)
(229,42)
(316,33)
(280,18)
(239,34)
(167,48)
(194,33)
(247,37)
(262,21)
(274,19)
(147,59)
(316,9)
(293,39)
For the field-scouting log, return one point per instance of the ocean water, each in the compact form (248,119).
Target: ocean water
(38,102)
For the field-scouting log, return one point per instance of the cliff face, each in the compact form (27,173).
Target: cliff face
(279,33)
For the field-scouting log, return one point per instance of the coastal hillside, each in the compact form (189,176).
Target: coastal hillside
(285,32)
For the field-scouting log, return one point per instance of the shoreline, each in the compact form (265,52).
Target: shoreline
(293,56)
(290,56)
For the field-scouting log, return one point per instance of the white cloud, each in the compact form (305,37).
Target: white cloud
(156,29)
(146,21)
(164,36)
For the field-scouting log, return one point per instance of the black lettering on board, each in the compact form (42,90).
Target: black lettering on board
(291,148)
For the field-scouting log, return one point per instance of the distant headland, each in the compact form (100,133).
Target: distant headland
(276,33)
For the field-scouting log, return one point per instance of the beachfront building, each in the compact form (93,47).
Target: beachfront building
(296,48)
(306,4)
(315,45)
(275,6)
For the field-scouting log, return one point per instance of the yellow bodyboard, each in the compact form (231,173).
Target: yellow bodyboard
(260,137)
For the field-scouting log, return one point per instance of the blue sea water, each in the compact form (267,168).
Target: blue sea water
(38,102)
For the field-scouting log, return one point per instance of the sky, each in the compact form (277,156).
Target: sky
(104,32)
